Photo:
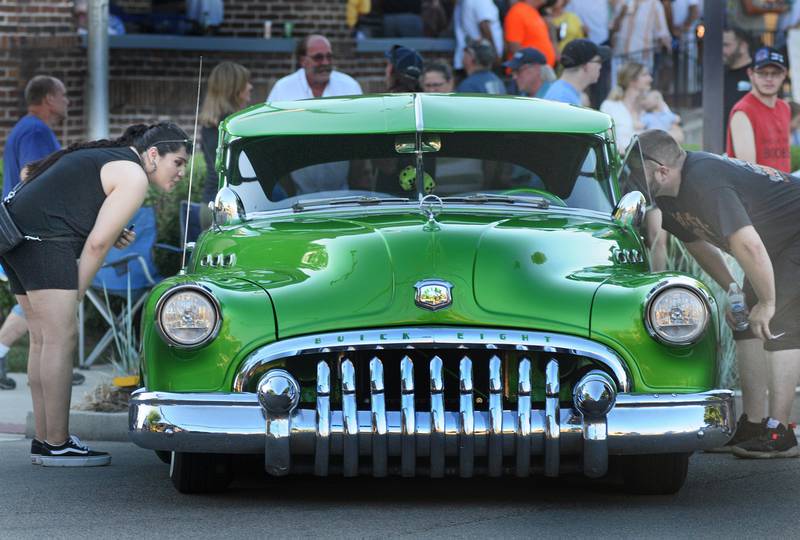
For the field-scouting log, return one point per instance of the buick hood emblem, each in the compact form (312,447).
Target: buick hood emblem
(433,294)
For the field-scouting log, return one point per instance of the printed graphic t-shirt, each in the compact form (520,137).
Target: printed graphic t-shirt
(719,195)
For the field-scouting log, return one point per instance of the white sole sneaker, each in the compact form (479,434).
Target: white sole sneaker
(36,459)
(75,461)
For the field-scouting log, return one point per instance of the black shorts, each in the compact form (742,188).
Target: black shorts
(786,268)
(33,266)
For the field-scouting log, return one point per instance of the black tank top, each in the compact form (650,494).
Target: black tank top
(65,199)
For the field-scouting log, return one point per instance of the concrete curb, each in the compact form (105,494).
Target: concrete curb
(92,426)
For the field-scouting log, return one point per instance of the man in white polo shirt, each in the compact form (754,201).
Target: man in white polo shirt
(316,76)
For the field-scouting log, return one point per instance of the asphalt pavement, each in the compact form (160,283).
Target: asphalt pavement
(724,497)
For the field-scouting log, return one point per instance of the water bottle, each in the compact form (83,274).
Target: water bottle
(738,307)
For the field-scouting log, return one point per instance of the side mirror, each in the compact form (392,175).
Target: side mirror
(630,210)
(227,208)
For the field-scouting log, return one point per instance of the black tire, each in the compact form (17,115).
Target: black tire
(655,474)
(164,456)
(200,473)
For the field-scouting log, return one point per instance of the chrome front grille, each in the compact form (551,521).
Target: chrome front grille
(506,421)
(470,433)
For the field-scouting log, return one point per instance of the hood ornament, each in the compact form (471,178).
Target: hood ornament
(433,294)
(431,206)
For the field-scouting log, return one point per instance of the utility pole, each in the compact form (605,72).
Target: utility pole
(713,76)
(97,94)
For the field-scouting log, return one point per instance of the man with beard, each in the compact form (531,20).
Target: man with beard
(736,56)
(750,211)
(759,125)
(316,76)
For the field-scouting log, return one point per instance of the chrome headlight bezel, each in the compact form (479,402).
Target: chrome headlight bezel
(191,287)
(664,287)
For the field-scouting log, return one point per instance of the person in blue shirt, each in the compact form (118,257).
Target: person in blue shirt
(479,56)
(582,60)
(31,139)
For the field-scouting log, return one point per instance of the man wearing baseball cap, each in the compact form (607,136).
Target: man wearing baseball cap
(582,60)
(758,130)
(526,69)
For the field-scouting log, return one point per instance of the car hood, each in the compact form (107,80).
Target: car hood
(336,272)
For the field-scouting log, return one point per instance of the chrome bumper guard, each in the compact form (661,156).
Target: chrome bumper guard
(601,423)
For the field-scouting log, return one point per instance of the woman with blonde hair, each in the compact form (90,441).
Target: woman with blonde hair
(229,90)
(624,103)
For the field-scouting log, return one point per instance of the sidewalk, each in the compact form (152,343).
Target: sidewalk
(16,404)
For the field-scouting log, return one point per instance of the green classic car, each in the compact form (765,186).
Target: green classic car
(422,284)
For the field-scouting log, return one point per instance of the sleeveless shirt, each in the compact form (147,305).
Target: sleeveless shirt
(65,199)
(771,131)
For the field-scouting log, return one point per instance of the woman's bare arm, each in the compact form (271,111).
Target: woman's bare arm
(126,186)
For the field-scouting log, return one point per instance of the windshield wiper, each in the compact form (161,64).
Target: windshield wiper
(362,200)
(483,198)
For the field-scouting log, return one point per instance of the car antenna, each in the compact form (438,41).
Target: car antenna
(191,172)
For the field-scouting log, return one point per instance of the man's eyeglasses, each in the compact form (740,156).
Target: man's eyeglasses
(319,57)
(434,85)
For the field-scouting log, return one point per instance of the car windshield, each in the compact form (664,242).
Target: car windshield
(278,172)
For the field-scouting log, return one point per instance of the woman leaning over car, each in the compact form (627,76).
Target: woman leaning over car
(78,202)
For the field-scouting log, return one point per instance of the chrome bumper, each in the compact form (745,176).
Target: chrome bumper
(366,439)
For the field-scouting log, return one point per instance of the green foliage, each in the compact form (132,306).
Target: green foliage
(126,357)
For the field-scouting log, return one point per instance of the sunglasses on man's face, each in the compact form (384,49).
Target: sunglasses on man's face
(319,57)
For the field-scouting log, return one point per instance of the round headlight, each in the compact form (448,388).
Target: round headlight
(188,316)
(677,316)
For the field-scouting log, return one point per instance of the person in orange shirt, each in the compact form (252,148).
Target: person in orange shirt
(524,27)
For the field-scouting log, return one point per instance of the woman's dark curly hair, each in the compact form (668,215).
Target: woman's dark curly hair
(165,136)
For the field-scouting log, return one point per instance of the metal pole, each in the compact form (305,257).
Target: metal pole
(714,20)
(97,94)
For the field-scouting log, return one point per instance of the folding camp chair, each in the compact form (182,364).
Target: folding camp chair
(126,273)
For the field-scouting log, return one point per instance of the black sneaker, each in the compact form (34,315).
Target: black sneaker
(72,453)
(778,442)
(7,383)
(745,431)
(77,379)
(36,451)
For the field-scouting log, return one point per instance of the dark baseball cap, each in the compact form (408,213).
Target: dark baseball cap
(406,61)
(529,55)
(766,56)
(581,51)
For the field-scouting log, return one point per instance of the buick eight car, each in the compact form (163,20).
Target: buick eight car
(423,284)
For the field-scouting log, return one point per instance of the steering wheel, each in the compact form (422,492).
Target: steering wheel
(553,199)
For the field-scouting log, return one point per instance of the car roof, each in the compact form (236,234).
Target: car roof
(395,113)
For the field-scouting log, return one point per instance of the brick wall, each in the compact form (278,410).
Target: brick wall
(38,37)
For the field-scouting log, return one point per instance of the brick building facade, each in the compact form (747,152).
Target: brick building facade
(145,85)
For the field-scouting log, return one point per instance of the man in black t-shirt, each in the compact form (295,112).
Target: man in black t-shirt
(750,211)
(736,56)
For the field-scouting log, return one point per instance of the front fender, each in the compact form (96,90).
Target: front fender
(248,321)
(617,320)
